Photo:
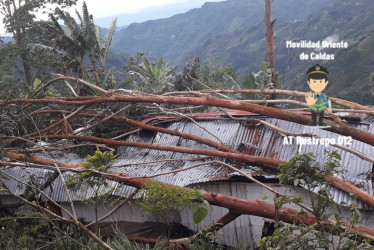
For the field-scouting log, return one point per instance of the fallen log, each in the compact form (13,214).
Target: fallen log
(217,225)
(337,125)
(264,161)
(344,103)
(142,125)
(234,204)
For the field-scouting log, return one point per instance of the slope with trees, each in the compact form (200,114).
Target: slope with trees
(174,38)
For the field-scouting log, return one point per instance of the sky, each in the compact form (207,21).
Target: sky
(112,7)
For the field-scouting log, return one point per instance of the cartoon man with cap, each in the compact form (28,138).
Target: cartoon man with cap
(317,101)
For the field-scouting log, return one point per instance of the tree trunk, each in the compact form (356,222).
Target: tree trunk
(269,52)
(26,69)
(337,125)
(19,38)
(263,161)
(234,204)
(269,35)
(266,162)
(344,103)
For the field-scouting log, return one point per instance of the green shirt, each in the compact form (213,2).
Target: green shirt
(321,103)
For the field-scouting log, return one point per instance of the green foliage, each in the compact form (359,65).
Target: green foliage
(217,76)
(259,80)
(20,20)
(100,161)
(37,83)
(211,75)
(21,233)
(304,170)
(81,40)
(96,165)
(203,242)
(94,178)
(107,81)
(206,241)
(155,77)
(158,197)
(9,77)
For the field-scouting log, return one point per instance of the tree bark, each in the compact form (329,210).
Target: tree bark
(263,161)
(335,100)
(234,204)
(267,162)
(156,129)
(269,34)
(337,125)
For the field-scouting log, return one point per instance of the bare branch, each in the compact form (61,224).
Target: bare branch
(47,211)
(114,209)
(337,125)
(237,205)
(71,88)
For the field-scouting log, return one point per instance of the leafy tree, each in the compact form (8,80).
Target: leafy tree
(81,40)
(259,80)
(304,170)
(168,202)
(93,180)
(20,20)
(155,77)
(8,75)
(217,76)
(211,75)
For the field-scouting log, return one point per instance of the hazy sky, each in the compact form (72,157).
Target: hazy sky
(102,8)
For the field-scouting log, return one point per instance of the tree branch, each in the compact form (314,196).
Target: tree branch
(337,125)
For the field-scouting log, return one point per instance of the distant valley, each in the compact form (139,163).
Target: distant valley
(233,32)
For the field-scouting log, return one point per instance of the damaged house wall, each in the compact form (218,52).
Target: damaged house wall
(249,138)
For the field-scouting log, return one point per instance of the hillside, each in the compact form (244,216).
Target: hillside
(150,13)
(233,32)
(176,37)
(350,21)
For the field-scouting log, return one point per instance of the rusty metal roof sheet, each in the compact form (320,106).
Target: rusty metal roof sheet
(258,140)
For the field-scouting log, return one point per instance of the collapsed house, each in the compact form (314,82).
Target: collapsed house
(246,136)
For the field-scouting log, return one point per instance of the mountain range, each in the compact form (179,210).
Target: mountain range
(181,35)
(151,13)
(232,32)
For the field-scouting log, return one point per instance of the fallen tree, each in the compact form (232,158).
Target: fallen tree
(344,103)
(142,125)
(234,204)
(337,125)
(263,161)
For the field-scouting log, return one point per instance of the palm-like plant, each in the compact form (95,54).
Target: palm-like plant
(155,77)
(80,40)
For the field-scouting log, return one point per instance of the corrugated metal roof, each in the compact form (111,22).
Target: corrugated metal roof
(26,175)
(259,140)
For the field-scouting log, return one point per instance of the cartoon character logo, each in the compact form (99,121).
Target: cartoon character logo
(316,99)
